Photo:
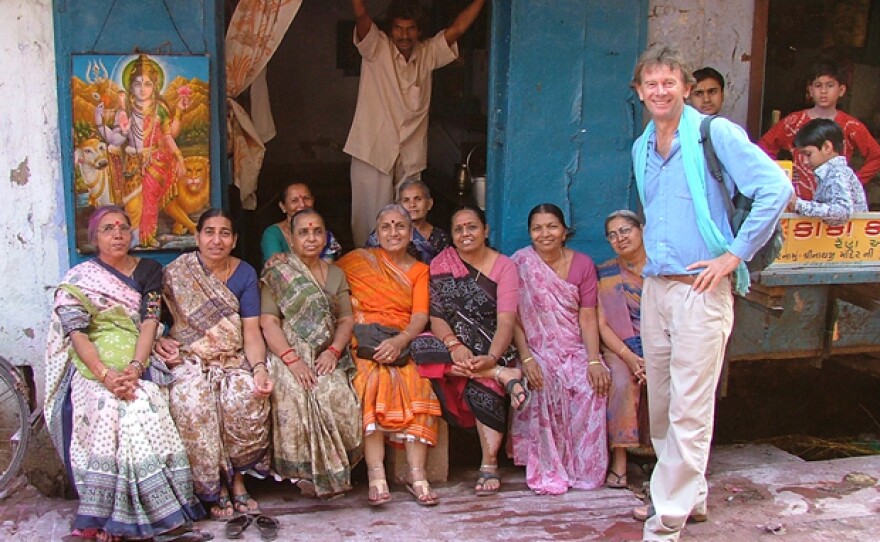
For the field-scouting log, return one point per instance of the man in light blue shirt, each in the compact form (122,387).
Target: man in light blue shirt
(693,262)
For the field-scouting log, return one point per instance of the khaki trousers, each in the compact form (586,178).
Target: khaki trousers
(370,191)
(684,335)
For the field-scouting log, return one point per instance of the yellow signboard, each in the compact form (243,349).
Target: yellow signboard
(812,241)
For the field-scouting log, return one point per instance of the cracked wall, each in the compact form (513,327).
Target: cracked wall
(710,33)
(33,242)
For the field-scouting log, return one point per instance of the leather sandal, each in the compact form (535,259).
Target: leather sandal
(236,526)
(642,513)
(486,475)
(268,527)
(240,502)
(380,485)
(615,481)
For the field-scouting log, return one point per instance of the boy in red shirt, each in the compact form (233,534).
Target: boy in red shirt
(826,86)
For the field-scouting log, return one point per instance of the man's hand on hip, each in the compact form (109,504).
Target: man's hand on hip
(713,271)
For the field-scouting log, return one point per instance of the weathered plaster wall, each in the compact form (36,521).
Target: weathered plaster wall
(33,247)
(715,33)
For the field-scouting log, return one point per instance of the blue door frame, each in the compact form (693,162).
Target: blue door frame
(169,27)
(562,115)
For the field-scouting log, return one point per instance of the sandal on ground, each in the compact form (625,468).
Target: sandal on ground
(218,510)
(615,481)
(379,493)
(485,476)
(642,513)
(268,527)
(421,490)
(236,526)
(242,504)
(184,534)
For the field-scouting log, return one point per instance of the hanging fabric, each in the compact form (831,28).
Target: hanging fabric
(255,31)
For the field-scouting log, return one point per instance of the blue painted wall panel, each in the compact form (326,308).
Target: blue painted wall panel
(561,114)
(172,27)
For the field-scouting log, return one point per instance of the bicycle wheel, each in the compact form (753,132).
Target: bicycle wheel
(14,428)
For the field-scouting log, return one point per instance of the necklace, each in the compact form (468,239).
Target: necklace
(557,269)
(479,268)
(128,267)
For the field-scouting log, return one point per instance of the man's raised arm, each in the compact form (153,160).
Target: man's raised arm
(461,23)
(363,21)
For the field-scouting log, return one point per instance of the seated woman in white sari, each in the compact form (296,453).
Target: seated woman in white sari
(105,408)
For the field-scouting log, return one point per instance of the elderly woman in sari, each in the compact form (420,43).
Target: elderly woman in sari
(620,294)
(468,357)
(278,239)
(428,240)
(219,399)
(307,322)
(560,435)
(389,291)
(107,415)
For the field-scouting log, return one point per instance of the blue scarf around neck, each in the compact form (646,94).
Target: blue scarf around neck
(695,172)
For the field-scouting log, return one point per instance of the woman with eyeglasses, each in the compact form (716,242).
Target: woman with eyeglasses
(105,406)
(620,295)
(560,435)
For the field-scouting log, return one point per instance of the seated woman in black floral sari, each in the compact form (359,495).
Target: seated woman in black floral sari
(474,296)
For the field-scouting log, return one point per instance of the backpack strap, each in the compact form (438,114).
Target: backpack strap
(709,150)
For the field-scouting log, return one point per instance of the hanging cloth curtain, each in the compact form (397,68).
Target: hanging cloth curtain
(255,31)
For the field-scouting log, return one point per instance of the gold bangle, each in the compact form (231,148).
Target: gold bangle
(595,362)
(528,360)
(405,332)
(620,352)
(103,373)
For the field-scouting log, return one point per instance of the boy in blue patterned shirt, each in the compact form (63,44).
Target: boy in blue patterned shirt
(839,193)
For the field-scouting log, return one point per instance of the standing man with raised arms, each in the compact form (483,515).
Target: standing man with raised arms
(388,141)
(687,306)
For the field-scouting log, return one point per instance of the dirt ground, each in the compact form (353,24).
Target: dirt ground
(768,399)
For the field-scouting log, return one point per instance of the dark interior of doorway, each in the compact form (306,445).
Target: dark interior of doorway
(313,85)
(801,31)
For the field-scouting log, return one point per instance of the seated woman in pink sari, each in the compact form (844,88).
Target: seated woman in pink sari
(620,301)
(220,396)
(468,357)
(560,436)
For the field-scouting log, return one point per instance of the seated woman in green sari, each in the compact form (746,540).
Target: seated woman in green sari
(105,406)
(307,321)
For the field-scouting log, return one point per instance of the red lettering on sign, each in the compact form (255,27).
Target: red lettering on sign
(872,228)
(804,230)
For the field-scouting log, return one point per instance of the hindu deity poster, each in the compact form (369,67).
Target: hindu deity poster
(141,125)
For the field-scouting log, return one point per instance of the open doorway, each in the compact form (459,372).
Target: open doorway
(313,86)
(798,32)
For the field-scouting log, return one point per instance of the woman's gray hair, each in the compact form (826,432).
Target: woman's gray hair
(627,215)
(413,183)
(397,208)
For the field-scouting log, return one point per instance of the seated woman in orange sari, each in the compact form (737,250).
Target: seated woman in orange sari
(389,288)
(620,302)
